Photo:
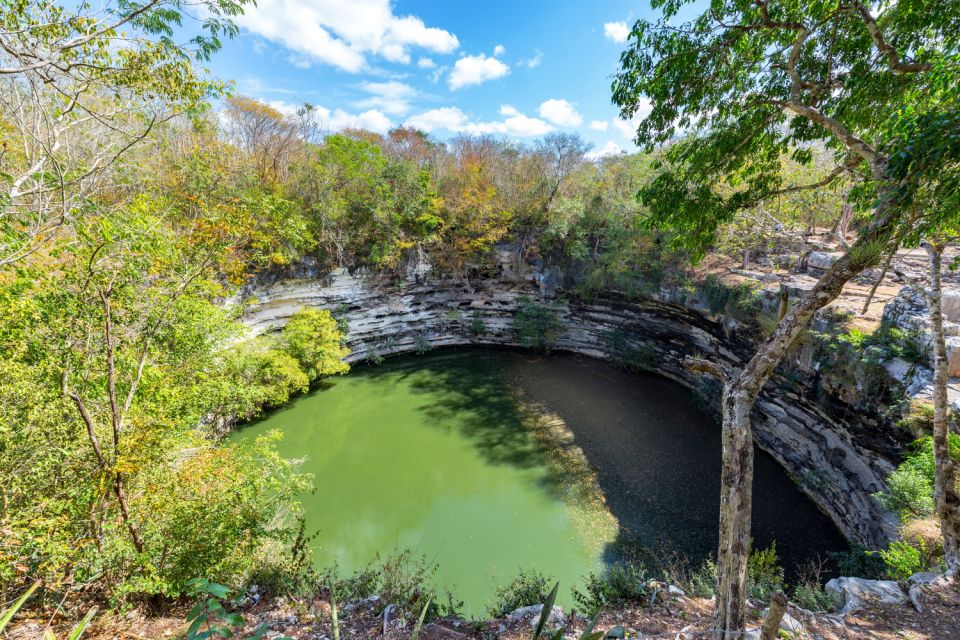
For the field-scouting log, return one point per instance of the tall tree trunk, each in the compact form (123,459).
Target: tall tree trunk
(946,496)
(739,395)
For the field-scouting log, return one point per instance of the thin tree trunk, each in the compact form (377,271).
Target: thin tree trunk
(738,399)
(771,624)
(946,496)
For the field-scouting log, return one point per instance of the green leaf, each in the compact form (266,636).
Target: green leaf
(82,625)
(423,615)
(545,613)
(587,635)
(12,611)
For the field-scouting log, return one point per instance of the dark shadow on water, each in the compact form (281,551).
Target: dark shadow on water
(657,456)
(655,451)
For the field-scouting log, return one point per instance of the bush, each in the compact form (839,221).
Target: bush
(400,578)
(739,301)
(902,559)
(857,561)
(527,588)
(221,504)
(812,596)
(909,491)
(617,584)
(764,576)
(314,339)
(536,326)
(251,378)
(809,592)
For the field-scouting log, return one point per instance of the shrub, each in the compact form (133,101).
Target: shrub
(765,577)
(740,300)
(251,378)
(400,578)
(696,581)
(623,582)
(477,325)
(909,491)
(536,326)
(221,504)
(918,418)
(812,596)
(857,561)
(809,592)
(902,559)
(314,339)
(529,587)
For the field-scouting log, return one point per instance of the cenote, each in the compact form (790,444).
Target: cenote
(474,458)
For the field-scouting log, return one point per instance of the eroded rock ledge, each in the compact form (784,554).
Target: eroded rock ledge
(839,454)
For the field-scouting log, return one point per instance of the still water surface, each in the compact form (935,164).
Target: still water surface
(435,454)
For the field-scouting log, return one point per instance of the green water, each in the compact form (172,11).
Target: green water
(431,454)
(490,461)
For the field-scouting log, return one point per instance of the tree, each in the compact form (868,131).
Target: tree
(109,72)
(312,337)
(268,136)
(747,82)
(926,161)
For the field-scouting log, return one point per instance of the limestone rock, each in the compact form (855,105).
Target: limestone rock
(532,615)
(852,594)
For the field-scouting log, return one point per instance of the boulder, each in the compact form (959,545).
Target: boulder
(532,615)
(852,594)
(821,260)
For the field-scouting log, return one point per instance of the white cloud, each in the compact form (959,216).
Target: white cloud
(611,148)
(499,50)
(426,63)
(343,34)
(616,31)
(338,119)
(534,61)
(391,97)
(454,120)
(478,69)
(448,118)
(560,112)
(628,128)
(599,125)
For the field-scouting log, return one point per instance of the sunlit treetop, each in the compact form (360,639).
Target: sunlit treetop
(749,81)
(117,44)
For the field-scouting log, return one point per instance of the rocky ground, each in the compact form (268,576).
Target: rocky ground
(870,612)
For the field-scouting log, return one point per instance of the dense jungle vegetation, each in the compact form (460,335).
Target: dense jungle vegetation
(140,195)
(115,327)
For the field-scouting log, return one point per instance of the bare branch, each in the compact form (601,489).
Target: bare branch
(712,369)
(885,48)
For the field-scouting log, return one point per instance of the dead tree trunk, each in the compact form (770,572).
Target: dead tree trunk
(946,496)
(740,392)
(771,623)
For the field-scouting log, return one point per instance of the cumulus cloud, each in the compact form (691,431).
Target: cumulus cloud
(470,70)
(611,148)
(452,119)
(561,113)
(338,119)
(599,125)
(426,63)
(616,31)
(391,97)
(499,50)
(343,34)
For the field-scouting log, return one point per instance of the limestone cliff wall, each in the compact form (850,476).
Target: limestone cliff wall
(838,457)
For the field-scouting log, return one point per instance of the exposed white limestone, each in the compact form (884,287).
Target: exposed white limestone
(838,461)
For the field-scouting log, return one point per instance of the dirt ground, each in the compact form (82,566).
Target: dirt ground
(676,617)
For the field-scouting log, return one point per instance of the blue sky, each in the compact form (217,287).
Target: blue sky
(515,68)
